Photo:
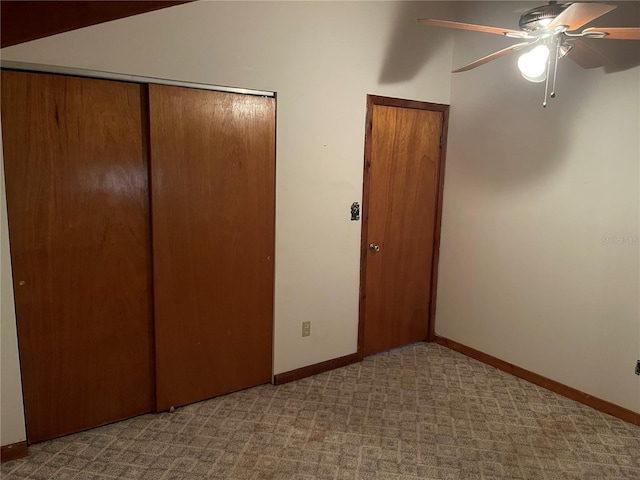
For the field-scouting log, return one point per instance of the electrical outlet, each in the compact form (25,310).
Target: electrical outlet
(638,367)
(306,329)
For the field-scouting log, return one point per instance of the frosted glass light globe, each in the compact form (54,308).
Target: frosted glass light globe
(533,64)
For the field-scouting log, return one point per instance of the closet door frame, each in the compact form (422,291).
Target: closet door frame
(121,77)
(96,74)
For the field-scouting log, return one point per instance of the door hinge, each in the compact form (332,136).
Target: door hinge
(440,141)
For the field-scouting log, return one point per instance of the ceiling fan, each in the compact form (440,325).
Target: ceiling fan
(551,33)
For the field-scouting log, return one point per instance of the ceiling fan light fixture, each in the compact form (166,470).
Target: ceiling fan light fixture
(551,32)
(533,64)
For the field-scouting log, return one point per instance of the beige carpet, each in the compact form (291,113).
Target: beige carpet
(419,412)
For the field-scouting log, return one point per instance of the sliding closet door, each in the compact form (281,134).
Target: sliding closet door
(212,183)
(77,197)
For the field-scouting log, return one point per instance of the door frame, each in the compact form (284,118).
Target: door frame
(372,101)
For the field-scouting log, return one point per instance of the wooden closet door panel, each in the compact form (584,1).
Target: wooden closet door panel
(77,196)
(212,183)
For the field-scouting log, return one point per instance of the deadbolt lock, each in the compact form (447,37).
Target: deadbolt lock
(374,248)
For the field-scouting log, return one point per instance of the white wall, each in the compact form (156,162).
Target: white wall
(322,59)
(539,264)
(11,410)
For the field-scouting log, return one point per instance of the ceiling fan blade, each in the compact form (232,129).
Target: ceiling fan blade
(585,56)
(632,33)
(579,14)
(493,56)
(469,26)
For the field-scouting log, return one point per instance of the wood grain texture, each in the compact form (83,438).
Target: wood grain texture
(13,451)
(22,21)
(315,369)
(213,181)
(493,56)
(616,33)
(579,14)
(364,246)
(585,56)
(469,26)
(557,387)
(80,244)
(438,221)
(400,205)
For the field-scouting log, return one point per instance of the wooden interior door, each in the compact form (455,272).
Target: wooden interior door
(401,205)
(212,182)
(77,198)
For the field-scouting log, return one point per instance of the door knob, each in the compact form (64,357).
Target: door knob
(374,248)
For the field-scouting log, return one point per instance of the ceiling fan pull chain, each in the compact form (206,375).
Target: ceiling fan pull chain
(546,82)
(556,58)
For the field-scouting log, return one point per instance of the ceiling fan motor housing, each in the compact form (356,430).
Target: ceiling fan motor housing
(539,17)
